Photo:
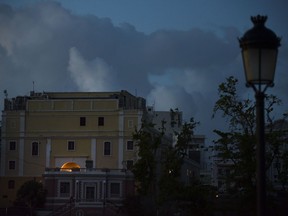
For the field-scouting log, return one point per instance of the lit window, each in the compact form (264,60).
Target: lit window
(100,121)
(71,145)
(107,148)
(82,121)
(114,189)
(12,165)
(130,145)
(35,148)
(12,145)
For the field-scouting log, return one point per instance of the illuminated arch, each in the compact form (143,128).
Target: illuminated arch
(69,166)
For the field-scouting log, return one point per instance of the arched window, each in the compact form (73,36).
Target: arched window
(70,166)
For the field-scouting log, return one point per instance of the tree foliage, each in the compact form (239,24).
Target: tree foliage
(148,142)
(32,194)
(171,162)
(158,169)
(236,147)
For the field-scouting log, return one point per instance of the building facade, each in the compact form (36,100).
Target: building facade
(79,144)
(172,121)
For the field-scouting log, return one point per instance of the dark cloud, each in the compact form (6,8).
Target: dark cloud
(61,51)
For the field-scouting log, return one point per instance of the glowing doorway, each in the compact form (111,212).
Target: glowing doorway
(70,166)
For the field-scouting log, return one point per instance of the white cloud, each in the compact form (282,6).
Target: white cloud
(93,75)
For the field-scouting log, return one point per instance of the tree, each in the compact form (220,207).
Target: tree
(237,146)
(148,141)
(158,169)
(31,194)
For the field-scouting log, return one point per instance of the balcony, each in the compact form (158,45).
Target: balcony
(85,171)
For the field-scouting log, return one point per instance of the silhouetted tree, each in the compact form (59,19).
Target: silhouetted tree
(148,142)
(236,146)
(158,169)
(31,194)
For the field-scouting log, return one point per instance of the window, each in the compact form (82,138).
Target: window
(114,189)
(130,145)
(107,148)
(12,165)
(64,189)
(130,124)
(90,193)
(11,184)
(100,121)
(82,121)
(71,145)
(35,148)
(12,145)
(129,164)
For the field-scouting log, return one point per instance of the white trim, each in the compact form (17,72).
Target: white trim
(140,114)
(93,151)
(120,153)
(21,157)
(48,152)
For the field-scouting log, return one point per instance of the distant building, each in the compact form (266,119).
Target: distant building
(222,169)
(278,166)
(79,144)
(200,152)
(196,166)
(171,120)
(220,172)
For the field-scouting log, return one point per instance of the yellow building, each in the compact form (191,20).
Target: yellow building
(79,144)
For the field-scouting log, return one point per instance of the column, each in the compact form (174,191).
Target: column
(48,152)
(93,151)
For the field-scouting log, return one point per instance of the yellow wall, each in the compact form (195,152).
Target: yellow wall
(107,161)
(57,121)
(34,165)
(8,196)
(60,147)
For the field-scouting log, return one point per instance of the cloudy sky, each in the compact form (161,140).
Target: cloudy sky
(174,53)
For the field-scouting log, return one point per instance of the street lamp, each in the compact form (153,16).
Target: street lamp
(259,52)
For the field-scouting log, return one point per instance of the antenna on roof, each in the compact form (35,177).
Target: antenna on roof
(33,86)
(5,93)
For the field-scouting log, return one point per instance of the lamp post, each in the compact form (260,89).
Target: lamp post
(259,52)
